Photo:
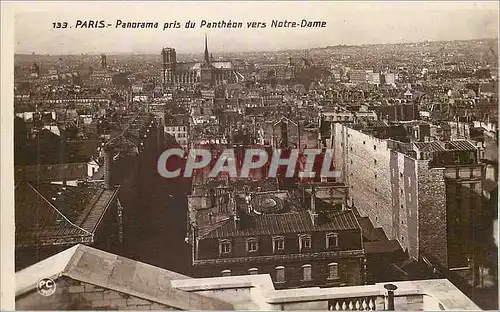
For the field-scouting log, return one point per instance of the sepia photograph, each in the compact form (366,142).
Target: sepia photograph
(328,155)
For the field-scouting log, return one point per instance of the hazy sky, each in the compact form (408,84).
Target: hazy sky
(347,23)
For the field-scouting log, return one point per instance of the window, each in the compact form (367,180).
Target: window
(375,161)
(375,147)
(375,175)
(400,174)
(332,240)
(253,271)
(280,274)
(278,243)
(252,245)
(306,272)
(226,273)
(333,270)
(224,247)
(409,197)
(304,242)
(364,142)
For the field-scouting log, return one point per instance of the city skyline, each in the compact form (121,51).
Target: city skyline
(98,53)
(409,23)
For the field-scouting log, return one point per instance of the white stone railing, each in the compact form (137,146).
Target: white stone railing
(257,292)
(353,298)
(371,303)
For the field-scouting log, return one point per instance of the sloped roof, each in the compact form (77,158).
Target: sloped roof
(49,214)
(386,246)
(186,66)
(429,146)
(460,145)
(52,172)
(49,148)
(224,65)
(283,223)
(103,269)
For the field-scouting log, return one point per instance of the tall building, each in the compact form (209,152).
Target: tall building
(168,65)
(426,195)
(178,127)
(358,76)
(104,64)
(390,78)
(35,70)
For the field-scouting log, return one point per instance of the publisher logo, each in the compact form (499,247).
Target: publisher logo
(46,287)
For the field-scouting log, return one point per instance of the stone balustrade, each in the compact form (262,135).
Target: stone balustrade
(253,292)
(356,304)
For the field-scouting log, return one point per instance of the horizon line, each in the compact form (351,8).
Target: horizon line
(258,51)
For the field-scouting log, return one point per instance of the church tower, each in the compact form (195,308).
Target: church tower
(207,71)
(207,58)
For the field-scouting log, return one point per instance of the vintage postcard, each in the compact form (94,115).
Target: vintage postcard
(249,155)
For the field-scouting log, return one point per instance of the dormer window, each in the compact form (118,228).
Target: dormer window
(224,247)
(252,245)
(278,243)
(332,240)
(305,242)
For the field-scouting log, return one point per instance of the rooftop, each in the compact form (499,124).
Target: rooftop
(283,223)
(99,268)
(55,214)
(250,292)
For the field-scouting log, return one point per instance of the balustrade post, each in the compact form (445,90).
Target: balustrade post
(389,296)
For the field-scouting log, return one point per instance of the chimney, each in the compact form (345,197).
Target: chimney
(312,212)
(212,197)
(107,167)
(235,217)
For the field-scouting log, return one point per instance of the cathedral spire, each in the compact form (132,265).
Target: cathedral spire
(207,58)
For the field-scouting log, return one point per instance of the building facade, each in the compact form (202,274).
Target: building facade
(262,233)
(426,195)
(207,73)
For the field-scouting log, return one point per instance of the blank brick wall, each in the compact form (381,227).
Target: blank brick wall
(432,212)
(365,162)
